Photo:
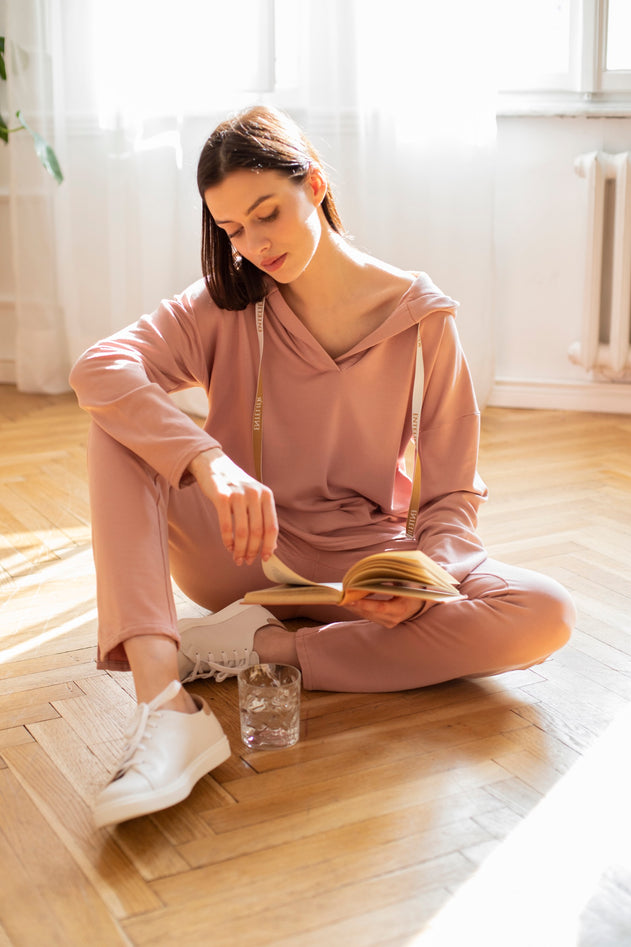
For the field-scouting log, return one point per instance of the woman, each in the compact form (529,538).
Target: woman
(312,403)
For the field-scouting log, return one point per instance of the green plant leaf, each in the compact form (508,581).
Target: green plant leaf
(44,152)
(4,130)
(3,68)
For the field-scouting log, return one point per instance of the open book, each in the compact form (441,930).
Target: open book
(412,574)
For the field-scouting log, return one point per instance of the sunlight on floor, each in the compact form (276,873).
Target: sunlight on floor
(35,549)
(533,888)
(32,644)
(50,607)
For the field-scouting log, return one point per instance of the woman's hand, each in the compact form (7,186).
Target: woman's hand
(388,612)
(245,507)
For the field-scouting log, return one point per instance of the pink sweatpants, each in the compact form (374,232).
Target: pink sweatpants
(144,531)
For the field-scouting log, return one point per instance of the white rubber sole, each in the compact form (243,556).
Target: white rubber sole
(133,806)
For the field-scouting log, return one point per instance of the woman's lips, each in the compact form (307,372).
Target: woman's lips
(274,263)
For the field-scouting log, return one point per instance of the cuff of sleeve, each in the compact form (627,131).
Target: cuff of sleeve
(181,476)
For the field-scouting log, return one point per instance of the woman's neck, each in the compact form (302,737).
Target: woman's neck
(331,278)
(343,294)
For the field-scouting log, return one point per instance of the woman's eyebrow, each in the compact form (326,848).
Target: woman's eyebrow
(256,203)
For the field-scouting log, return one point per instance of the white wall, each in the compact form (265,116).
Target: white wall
(540,249)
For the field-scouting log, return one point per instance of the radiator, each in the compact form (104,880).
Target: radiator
(604,347)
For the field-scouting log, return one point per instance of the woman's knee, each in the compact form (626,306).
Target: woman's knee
(532,614)
(555,612)
(108,459)
(545,618)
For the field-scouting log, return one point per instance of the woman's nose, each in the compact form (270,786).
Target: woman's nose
(258,244)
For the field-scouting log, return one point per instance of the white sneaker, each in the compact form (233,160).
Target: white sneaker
(219,645)
(166,753)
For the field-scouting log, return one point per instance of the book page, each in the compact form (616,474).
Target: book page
(411,565)
(277,571)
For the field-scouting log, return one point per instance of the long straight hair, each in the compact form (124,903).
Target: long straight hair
(258,139)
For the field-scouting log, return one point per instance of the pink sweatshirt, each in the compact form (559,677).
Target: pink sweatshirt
(334,430)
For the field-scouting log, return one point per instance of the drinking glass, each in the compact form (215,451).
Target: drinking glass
(269,705)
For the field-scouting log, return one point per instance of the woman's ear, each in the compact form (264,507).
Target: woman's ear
(316,182)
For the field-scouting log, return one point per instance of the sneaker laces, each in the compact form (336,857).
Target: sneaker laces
(208,667)
(144,720)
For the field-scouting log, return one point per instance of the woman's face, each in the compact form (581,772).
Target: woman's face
(272,221)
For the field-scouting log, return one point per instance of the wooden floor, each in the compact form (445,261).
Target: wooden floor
(494,812)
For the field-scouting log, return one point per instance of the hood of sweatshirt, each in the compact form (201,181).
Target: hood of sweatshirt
(419,301)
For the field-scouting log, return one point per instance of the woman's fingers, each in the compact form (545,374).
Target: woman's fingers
(240,524)
(253,532)
(247,520)
(223,505)
(389,612)
(254,522)
(245,507)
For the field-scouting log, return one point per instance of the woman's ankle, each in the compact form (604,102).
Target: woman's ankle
(182,703)
(276,646)
(153,662)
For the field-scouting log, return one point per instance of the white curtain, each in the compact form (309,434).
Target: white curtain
(397,96)
(33,227)
(401,98)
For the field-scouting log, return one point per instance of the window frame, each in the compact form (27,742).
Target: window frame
(606,80)
(588,88)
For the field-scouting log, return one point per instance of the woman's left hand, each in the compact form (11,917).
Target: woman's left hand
(388,612)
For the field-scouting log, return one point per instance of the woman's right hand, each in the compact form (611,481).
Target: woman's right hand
(245,507)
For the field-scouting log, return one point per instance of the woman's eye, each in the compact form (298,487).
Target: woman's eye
(263,220)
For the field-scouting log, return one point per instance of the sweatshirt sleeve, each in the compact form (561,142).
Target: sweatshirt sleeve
(451,489)
(124,383)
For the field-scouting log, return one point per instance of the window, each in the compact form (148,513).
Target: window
(618,53)
(572,51)
(534,44)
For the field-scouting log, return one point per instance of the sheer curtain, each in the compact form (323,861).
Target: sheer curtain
(35,238)
(398,97)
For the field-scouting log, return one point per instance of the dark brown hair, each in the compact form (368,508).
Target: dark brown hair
(258,139)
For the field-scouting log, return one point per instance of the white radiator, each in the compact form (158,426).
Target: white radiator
(605,344)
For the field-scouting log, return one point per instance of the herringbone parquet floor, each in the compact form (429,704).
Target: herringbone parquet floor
(494,812)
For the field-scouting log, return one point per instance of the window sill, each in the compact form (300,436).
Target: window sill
(563,105)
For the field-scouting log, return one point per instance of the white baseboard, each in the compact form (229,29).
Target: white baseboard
(602,397)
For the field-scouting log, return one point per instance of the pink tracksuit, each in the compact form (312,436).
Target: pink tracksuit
(334,436)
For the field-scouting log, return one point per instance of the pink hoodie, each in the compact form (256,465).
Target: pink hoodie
(334,430)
